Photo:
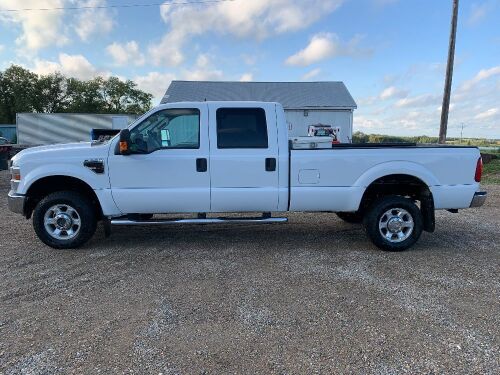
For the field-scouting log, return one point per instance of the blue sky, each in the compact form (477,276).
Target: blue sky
(390,53)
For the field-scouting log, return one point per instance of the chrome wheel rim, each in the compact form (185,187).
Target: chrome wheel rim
(62,222)
(396,225)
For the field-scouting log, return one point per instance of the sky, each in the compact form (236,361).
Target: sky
(391,54)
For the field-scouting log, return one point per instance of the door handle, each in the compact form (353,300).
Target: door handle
(270,164)
(201,165)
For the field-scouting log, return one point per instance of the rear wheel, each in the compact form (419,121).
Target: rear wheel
(351,217)
(394,223)
(64,220)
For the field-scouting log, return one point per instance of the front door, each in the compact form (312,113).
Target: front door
(168,168)
(243,158)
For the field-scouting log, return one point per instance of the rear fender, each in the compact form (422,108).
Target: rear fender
(396,167)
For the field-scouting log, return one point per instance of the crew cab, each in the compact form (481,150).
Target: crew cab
(205,159)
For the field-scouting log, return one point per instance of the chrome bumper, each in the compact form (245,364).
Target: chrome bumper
(16,202)
(479,198)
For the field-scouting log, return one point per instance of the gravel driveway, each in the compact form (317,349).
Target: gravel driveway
(311,296)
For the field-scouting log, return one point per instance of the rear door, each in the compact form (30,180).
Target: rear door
(243,157)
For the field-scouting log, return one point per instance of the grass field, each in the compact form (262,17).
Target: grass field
(491,172)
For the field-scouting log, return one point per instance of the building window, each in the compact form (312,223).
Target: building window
(241,128)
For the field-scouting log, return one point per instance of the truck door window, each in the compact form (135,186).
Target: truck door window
(169,128)
(241,128)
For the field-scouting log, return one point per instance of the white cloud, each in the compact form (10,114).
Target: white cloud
(76,66)
(367,123)
(168,50)
(366,101)
(249,59)
(244,19)
(203,61)
(246,77)
(127,53)
(90,22)
(203,75)
(384,2)
(477,108)
(480,76)
(39,28)
(392,92)
(1,48)
(418,101)
(203,70)
(492,112)
(323,46)
(479,12)
(311,74)
(155,83)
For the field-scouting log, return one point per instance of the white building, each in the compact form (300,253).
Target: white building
(305,103)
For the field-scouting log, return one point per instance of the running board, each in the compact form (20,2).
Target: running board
(229,220)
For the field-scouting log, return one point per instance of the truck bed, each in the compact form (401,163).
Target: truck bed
(335,179)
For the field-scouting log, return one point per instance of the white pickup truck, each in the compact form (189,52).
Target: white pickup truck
(204,158)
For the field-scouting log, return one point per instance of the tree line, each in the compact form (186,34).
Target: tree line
(360,137)
(24,91)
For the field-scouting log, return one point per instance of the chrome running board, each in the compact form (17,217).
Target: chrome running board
(221,220)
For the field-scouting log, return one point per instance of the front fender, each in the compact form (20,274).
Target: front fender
(94,180)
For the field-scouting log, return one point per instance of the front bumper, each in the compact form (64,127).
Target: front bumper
(16,202)
(478,199)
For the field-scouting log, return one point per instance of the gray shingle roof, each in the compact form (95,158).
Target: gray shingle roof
(289,94)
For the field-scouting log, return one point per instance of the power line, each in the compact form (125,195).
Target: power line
(119,6)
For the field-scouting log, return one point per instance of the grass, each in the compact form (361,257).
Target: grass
(491,172)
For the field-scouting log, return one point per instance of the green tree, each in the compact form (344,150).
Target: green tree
(17,93)
(359,137)
(85,96)
(24,91)
(124,97)
(51,93)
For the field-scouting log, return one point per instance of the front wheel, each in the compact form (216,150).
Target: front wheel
(64,220)
(393,223)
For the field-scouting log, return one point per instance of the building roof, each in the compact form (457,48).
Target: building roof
(290,94)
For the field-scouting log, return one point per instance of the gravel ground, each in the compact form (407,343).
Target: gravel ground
(282,299)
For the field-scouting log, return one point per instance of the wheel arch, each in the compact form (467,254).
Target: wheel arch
(397,168)
(406,185)
(51,184)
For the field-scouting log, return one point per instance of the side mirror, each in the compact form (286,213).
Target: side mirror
(124,142)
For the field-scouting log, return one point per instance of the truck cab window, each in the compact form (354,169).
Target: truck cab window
(241,128)
(169,128)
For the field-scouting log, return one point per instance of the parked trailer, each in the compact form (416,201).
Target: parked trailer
(49,128)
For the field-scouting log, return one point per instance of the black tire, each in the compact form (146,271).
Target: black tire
(379,208)
(85,210)
(351,217)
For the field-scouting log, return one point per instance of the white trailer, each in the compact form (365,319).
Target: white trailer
(48,128)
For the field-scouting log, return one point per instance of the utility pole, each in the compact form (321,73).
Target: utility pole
(449,75)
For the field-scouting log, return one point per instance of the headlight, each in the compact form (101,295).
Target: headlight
(15,178)
(15,173)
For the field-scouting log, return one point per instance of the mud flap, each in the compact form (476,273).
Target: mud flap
(107,227)
(427,209)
